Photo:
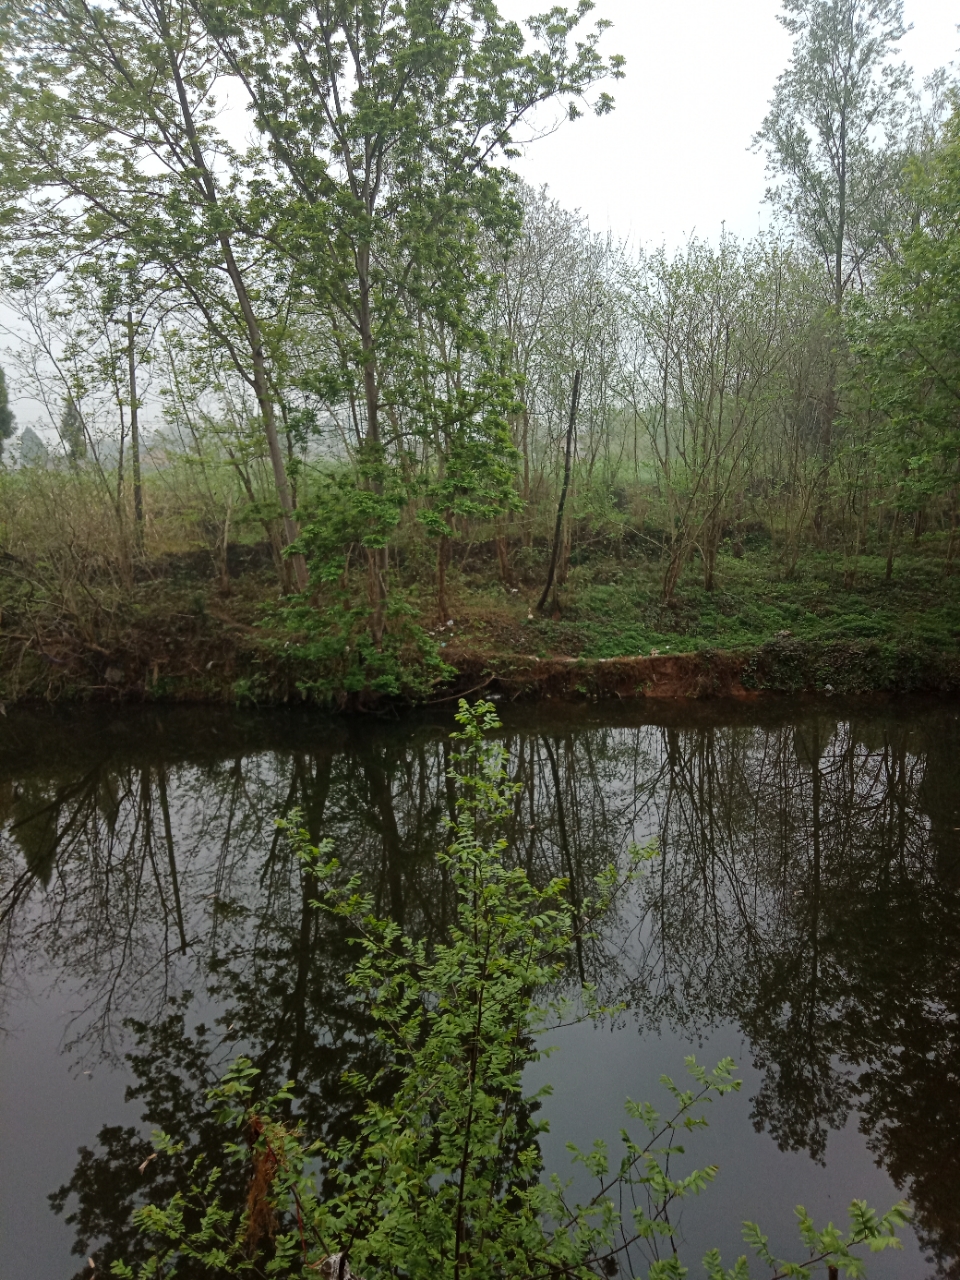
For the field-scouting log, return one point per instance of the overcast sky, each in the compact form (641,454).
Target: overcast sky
(674,157)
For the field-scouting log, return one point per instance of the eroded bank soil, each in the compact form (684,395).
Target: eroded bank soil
(224,661)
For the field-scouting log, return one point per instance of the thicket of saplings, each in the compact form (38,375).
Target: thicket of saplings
(389,381)
(725,438)
(67,531)
(722,407)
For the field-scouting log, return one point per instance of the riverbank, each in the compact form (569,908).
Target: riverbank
(175,635)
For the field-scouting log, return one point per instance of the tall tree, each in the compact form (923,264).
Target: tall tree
(907,337)
(6,413)
(384,131)
(705,337)
(110,137)
(381,131)
(71,431)
(834,132)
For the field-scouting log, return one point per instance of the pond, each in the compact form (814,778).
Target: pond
(802,915)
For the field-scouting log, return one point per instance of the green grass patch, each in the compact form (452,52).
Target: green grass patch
(614,610)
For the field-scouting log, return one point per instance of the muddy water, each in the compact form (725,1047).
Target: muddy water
(803,916)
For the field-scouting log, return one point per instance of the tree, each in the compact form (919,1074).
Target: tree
(110,138)
(383,128)
(76,355)
(705,336)
(475,474)
(534,270)
(71,431)
(380,133)
(7,420)
(907,337)
(833,134)
(556,311)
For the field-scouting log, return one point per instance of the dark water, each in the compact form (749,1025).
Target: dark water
(803,916)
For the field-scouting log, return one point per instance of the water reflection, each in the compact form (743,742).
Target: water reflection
(807,891)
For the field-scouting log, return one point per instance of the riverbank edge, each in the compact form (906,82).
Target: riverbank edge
(243,671)
(778,667)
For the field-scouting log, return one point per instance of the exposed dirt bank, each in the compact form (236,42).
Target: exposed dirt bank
(221,661)
(781,666)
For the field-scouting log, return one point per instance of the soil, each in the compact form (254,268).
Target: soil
(176,635)
(208,660)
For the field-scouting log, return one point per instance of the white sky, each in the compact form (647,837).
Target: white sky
(674,157)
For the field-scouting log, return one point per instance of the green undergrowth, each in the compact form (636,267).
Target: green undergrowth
(615,610)
(332,656)
(176,633)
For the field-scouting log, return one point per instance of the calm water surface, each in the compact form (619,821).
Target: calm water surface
(802,916)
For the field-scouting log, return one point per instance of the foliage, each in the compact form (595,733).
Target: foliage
(332,656)
(444,1177)
(353,222)
(613,607)
(476,481)
(172,1085)
(907,336)
(835,128)
(71,431)
(362,328)
(714,336)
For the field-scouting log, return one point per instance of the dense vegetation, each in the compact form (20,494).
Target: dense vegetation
(424,401)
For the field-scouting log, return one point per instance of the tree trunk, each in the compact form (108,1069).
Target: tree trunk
(224,563)
(709,547)
(709,564)
(376,556)
(502,559)
(269,526)
(890,545)
(952,544)
(527,528)
(563,562)
(567,463)
(260,378)
(264,399)
(135,437)
(678,556)
(443,561)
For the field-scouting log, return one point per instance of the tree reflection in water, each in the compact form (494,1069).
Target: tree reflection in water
(808,890)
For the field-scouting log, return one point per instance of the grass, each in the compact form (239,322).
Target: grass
(611,608)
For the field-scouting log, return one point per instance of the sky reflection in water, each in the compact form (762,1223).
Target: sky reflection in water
(803,915)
